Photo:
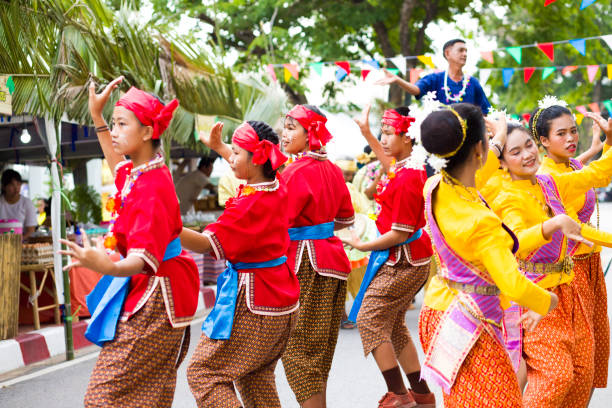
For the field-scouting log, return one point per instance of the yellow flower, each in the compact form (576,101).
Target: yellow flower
(248,190)
(110,242)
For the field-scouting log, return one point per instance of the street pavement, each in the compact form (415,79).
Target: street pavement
(354,381)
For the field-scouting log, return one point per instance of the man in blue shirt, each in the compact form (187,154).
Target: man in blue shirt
(450,86)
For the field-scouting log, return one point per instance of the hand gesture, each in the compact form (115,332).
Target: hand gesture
(530,320)
(363,121)
(353,241)
(388,79)
(498,128)
(596,143)
(213,139)
(571,229)
(606,126)
(97,101)
(94,258)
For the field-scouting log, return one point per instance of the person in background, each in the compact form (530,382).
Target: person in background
(44,210)
(451,86)
(14,206)
(189,187)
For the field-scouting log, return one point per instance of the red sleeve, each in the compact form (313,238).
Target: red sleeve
(407,202)
(151,228)
(346,212)
(233,230)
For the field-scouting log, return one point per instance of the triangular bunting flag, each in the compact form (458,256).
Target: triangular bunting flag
(270,71)
(516,53)
(579,118)
(400,63)
(607,39)
(548,49)
(568,69)
(592,71)
(340,74)
(364,73)
(526,117)
(527,73)
(547,71)
(547,2)
(415,73)
(484,75)
(586,3)
(292,70)
(345,66)
(507,75)
(10,85)
(609,71)
(594,107)
(317,67)
(515,117)
(286,74)
(426,59)
(487,56)
(372,62)
(579,45)
(608,105)
(394,71)
(581,109)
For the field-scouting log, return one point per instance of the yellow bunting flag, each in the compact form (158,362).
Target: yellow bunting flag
(287,74)
(291,70)
(579,118)
(426,59)
(5,95)
(609,71)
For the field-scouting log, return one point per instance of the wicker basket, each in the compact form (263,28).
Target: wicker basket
(10,261)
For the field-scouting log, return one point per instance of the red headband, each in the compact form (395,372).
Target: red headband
(400,123)
(148,110)
(318,135)
(246,137)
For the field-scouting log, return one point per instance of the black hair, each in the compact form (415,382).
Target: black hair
(314,109)
(441,132)
(8,176)
(208,160)
(544,119)
(265,132)
(449,44)
(367,149)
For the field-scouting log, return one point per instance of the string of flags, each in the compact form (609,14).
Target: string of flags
(365,66)
(584,4)
(508,73)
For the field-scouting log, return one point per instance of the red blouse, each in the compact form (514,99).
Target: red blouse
(318,194)
(253,228)
(402,209)
(149,219)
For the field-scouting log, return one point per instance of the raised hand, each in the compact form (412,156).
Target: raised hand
(596,143)
(498,128)
(89,257)
(363,120)
(605,125)
(388,79)
(213,138)
(97,101)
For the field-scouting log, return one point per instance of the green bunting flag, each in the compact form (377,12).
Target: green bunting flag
(547,71)
(516,53)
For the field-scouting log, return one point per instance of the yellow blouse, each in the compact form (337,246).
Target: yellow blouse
(475,233)
(576,202)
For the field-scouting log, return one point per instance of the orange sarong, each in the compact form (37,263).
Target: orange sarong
(559,353)
(486,378)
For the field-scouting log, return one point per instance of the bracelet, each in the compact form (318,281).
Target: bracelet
(497,146)
(101,129)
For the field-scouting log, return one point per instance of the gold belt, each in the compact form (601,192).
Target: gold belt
(564,266)
(487,290)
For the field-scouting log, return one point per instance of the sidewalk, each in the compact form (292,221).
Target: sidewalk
(48,343)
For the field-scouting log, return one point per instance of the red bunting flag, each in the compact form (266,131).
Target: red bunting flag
(594,107)
(547,2)
(568,69)
(548,49)
(487,56)
(527,73)
(526,117)
(364,73)
(344,65)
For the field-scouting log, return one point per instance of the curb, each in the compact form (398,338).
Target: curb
(40,345)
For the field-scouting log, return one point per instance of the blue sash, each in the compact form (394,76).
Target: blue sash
(319,231)
(377,259)
(218,324)
(105,302)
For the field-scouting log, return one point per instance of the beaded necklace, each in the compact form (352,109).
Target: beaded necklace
(458,97)
(458,187)
(245,190)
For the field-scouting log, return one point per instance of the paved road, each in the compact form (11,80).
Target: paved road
(354,380)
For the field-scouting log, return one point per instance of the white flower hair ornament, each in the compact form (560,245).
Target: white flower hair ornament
(543,104)
(419,155)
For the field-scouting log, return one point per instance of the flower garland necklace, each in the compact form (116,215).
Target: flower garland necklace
(458,97)
(245,190)
(116,204)
(384,182)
